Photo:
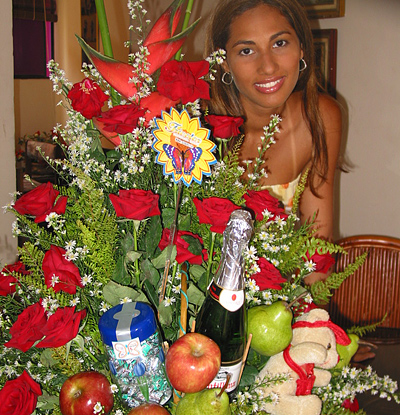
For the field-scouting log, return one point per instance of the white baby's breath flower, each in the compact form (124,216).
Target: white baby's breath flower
(310,266)
(104,307)
(125,300)
(98,408)
(54,280)
(169,301)
(74,302)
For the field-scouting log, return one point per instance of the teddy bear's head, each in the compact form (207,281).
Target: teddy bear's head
(316,327)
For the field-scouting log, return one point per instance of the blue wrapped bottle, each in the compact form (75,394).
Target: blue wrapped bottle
(131,337)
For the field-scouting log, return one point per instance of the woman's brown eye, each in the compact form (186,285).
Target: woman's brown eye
(329,346)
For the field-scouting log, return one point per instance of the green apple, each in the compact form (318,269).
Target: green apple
(271,327)
(205,402)
(347,352)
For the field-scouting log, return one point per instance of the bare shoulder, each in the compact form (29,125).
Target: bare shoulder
(331,113)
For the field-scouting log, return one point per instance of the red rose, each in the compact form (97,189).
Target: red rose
(224,126)
(55,265)
(353,406)
(87,98)
(181,80)
(135,204)
(7,281)
(19,396)
(122,119)
(215,211)
(39,202)
(183,247)
(269,277)
(61,327)
(28,328)
(260,200)
(322,262)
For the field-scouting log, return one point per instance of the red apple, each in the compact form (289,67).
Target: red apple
(149,409)
(80,393)
(192,362)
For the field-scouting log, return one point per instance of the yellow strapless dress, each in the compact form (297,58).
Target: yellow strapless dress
(284,192)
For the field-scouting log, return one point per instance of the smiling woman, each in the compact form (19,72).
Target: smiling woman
(270,69)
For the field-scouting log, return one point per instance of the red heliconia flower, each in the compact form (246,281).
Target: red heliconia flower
(160,42)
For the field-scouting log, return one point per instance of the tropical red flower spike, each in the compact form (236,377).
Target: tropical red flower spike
(161,44)
(166,24)
(116,73)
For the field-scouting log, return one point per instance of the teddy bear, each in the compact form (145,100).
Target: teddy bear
(311,352)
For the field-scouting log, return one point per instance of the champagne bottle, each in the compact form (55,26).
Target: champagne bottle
(222,316)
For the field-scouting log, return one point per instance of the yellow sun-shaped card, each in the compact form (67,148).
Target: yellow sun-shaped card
(183,147)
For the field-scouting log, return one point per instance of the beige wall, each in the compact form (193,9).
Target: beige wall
(368,59)
(368,62)
(7,160)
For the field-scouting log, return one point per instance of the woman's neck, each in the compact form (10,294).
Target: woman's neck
(258,118)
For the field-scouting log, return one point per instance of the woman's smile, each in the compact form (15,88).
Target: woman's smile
(269,86)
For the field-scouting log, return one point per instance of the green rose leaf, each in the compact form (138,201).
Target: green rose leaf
(47,402)
(196,271)
(46,358)
(113,293)
(149,272)
(80,341)
(121,274)
(196,296)
(152,237)
(132,256)
(168,216)
(249,376)
(159,262)
(96,150)
(128,243)
(184,222)
(165,314)
(195,246)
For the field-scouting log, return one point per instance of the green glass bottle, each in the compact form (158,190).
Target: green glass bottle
(222,316)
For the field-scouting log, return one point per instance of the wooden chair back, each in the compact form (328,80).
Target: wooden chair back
(374,289)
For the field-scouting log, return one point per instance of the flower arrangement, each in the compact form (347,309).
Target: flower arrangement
(144,221)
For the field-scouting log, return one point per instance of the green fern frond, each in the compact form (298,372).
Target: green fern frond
(322,246)
(362,331)
(299,191)
(321,290)
(34,232)
(32,256)
(225,185)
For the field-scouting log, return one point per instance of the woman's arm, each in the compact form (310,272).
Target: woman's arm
(322,205)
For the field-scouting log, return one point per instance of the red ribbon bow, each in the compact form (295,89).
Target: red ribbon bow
(305,372)
(341,336)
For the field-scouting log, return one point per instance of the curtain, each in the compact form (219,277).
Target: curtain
(42,10)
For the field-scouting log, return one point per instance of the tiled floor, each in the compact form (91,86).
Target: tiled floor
(386,362)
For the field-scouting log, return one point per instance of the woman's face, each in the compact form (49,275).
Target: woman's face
(263,55)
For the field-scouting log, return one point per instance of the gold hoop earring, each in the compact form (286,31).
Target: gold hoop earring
(301,69)
(223,79)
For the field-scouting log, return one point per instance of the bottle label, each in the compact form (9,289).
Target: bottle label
(129,349)
(229,299)
(220,380)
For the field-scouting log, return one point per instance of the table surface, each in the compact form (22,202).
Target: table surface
(386,362)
